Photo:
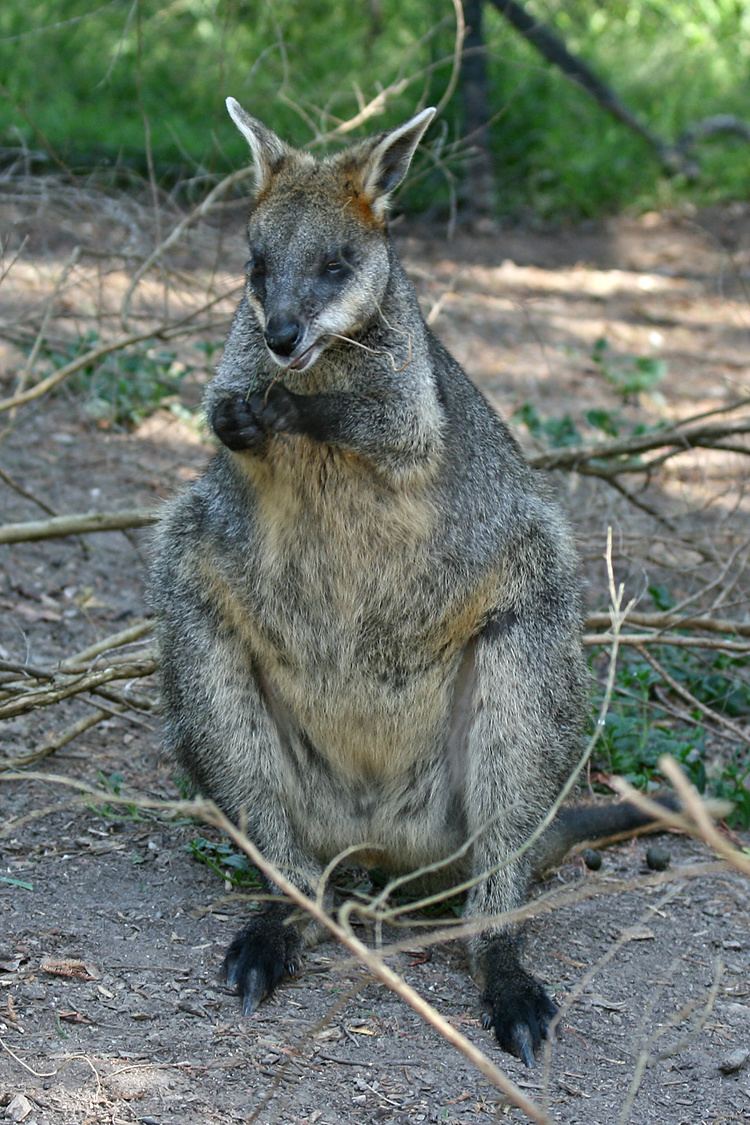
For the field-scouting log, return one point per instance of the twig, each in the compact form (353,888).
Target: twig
(161,332)
(682,691)
(675,639)
(702,825)
(56,743)
(114,640)
(28,367)
(36,1073)
(19,488)
(79,524)
(46,697)
(669,620)
(178,230)
(458,47)
(573,457)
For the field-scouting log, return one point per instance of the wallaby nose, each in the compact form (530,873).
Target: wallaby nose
(283,333)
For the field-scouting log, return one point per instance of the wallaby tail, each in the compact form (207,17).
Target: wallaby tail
(596,824)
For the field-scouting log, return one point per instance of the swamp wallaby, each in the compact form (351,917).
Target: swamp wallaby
(368,605)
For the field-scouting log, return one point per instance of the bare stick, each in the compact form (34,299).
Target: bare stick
(458,47)
(28,367)
(178,230)
(19,488)
(691,437)
(675,639)
(56,743)
(114,640)
(670,620)
(80,524)
(46,697)
(682,691)
(162,332)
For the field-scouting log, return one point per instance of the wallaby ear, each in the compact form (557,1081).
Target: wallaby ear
(388,160)
(266,147)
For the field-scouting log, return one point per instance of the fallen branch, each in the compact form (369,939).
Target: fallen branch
(165,331)
(678,640)
(579,457)
(76,685)
(663,621)
(84,523)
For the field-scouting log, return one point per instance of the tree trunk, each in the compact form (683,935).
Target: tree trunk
(478,200)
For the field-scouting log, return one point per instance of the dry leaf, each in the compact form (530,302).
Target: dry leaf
(640,933)
(71,1016)
(69,967)
(10,963)
(610,1005)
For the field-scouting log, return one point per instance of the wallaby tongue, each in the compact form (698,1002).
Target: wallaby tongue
(301,362)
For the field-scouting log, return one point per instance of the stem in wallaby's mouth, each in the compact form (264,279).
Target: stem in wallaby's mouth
(301,361)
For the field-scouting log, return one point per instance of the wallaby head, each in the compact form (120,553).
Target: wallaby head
(319,260)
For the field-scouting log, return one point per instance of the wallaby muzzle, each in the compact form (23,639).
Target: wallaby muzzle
(283,333)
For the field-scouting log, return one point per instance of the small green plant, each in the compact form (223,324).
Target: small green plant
(630,375)
(126,386)
(556,431)
(231,866)
(637,731)
(112,783)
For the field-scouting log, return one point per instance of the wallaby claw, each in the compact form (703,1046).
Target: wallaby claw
(259,956)
(522,1043)
(254,991)
(519,1010)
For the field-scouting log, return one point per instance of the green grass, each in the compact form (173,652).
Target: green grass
(231,866)
(98,85)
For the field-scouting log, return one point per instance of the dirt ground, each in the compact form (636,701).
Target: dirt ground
(653,981)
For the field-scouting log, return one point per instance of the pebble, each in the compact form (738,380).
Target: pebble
(734,1061)
(19,1108)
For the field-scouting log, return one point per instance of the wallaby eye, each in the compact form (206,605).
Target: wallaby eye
(334,266)
(256,266)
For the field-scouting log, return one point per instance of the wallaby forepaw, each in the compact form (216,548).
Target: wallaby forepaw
(236,425)
(261,954)
(276,410)
(520,1011)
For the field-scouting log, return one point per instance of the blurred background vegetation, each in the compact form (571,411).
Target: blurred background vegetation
(122,83)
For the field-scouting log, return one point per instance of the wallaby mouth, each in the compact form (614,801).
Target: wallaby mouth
(302,359)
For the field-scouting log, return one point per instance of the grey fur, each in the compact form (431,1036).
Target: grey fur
(368,606)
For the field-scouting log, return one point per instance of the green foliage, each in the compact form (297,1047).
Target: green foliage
(124,387)
(637,731)
(630,374)
(103,82)
(113,810)
(554,431)
(231,866)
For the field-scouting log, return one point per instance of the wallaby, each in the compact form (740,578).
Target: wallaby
(368,606)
